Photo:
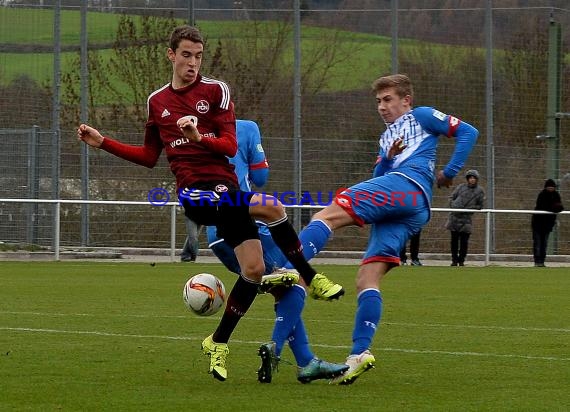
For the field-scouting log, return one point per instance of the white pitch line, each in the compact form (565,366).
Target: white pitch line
(419,325)
(93,315)
(508,328)
(190,338)
(482,354)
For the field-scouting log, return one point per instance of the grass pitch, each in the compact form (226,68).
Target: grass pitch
(116,336)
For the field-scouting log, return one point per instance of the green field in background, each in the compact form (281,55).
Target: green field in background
(35,27)
(116,336)
(367,55)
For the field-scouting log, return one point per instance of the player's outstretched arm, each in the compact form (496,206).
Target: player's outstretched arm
(146,155)
(465,138)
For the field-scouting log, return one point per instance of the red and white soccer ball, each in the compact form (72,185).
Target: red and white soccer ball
(204,294)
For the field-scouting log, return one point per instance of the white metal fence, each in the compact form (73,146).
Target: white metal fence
(481,61)
(173,233)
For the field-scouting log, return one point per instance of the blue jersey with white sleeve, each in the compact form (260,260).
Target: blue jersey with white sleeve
(420,129)
(250,163)
(251,166)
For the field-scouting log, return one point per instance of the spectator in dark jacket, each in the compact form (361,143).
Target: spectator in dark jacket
(542,224)
(465,196)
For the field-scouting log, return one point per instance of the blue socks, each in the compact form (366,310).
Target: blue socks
(313,237)
(366,321)
(288,314)
(299,344)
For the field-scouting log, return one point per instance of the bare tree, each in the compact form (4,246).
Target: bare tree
(119,86)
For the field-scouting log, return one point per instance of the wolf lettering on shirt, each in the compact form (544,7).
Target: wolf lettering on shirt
(208,103)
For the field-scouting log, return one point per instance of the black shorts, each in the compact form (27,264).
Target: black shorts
(227,209)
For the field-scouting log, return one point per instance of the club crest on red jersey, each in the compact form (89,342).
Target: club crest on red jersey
(202,106)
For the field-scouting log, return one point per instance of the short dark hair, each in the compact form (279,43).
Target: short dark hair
(184,33)
(401,82)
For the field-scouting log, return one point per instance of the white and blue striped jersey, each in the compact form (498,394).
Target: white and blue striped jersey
(420,129)
(250,163)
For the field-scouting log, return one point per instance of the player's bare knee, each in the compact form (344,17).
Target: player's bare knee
(320,215)
(269,210)
(253,271)
(334,216)
(324,216)
(276,212)
(370,274)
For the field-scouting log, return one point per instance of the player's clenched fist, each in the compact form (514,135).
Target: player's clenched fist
(443,180)
(188,127)
(397,147)
(89,135)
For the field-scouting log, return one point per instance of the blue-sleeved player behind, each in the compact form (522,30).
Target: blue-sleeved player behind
(251,166)
(395,201)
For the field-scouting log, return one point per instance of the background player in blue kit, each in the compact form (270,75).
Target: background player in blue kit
(395,201)
(251,166)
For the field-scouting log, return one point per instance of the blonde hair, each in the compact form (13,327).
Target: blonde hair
(400,82)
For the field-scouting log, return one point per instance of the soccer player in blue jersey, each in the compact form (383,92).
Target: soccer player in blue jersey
(395,201)
(251,166)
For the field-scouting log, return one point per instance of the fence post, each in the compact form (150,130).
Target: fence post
(394,32)
(488,217)
(173,232)
(297,114)
(33,185)
(57,228)
(489,111)
(56,109)
(553,106)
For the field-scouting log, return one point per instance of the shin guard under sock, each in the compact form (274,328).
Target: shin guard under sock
(367,318)
(286,238)
(239,300)
(287,314)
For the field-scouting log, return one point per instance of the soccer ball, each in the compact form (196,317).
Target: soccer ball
(204,294)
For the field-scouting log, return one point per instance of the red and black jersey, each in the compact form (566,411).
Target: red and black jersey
(208,103)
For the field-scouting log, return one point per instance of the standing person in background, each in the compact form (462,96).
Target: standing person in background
(548,200)
(465,196)
(191,244)
(192,118)
(414,251)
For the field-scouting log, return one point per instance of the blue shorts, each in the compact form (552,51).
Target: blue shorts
(394,207)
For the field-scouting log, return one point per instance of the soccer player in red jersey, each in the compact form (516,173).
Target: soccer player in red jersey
(192,118)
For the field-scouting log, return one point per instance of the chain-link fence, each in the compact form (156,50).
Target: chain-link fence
(317,114)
